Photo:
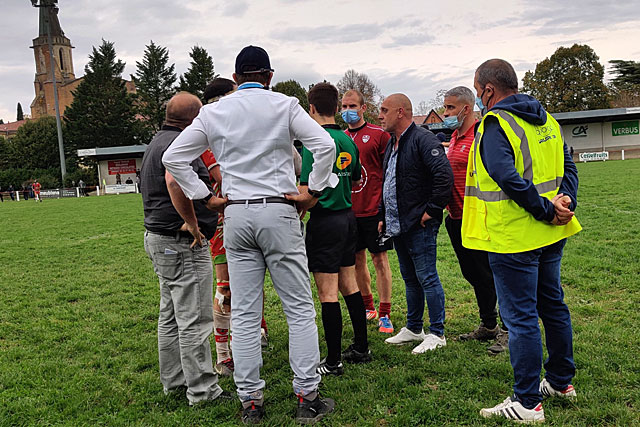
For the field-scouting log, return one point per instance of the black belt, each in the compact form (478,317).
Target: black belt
(262,200)
(172,233)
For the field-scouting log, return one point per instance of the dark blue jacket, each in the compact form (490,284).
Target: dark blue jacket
(423,176)
(499,160)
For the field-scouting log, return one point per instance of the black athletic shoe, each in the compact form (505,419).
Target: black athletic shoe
(312,411)
(352,355)
(325,369)
(252,414)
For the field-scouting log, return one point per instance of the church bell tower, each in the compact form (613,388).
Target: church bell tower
(43,104)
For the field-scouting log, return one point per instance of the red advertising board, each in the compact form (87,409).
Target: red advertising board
(122,166)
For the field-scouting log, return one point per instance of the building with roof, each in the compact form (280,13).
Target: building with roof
(125,161)
(615,130)
(8,130)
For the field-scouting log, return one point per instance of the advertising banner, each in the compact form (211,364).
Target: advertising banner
(122,166)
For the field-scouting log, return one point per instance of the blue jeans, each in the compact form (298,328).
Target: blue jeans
(528,287)
(417,257)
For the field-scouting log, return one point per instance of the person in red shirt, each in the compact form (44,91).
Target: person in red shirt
(459,115)
(36,190)
(371,141)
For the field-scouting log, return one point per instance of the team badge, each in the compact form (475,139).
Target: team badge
(344,160)
(365,138)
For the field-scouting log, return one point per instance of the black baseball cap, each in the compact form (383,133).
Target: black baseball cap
(252,59)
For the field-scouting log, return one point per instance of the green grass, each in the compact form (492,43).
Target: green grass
(78,310)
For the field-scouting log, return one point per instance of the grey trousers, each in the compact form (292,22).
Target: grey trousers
(186,315)
(257,237)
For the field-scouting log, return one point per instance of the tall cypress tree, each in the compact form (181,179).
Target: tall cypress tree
(102,113)
(155,80)
(199,74)
(19,113)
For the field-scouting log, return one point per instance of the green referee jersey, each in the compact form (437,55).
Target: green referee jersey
(346,167)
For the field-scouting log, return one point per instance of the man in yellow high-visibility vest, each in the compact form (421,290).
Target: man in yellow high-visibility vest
(519,199)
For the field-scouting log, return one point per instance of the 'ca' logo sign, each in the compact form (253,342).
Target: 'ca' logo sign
(580,131)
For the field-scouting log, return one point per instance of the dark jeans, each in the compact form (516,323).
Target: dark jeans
(528,285)
(417,257)
(476,270)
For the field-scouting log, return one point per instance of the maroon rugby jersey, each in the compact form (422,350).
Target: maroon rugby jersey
(371,141)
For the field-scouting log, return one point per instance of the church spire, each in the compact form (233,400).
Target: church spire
(49,12)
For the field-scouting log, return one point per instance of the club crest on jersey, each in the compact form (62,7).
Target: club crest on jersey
(365,138)
(344,160)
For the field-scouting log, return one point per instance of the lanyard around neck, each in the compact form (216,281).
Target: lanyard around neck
(250,85)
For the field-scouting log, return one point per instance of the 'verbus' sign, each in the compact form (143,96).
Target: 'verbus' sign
(629,127)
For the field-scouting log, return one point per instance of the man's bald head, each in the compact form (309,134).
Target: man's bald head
(396,113)
(400,100)
(182,109)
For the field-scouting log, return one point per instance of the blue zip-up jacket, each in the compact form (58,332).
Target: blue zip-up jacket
(499,160)
(423,176)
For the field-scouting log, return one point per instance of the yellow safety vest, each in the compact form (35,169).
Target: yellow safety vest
(491,221)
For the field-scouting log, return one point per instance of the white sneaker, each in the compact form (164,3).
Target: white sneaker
(405,336)
(547,390)
(430,342)
(513,410)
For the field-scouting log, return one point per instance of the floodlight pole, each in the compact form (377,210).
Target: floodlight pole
(63,166)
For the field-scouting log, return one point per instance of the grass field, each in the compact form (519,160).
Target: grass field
(78,310)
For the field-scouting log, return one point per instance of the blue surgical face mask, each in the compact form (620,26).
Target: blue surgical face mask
(350,116)
(452,122)
(479,103)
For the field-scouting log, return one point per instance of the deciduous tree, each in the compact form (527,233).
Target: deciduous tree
(293,88)
(569,80)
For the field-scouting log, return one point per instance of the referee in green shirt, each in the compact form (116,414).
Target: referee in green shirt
(331,239)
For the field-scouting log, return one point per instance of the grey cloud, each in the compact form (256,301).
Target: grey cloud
(413,39)
(235,8)
(329,33)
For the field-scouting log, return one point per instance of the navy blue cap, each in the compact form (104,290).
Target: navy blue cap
(252,59)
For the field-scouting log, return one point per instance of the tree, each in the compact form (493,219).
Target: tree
(155,80)
(624,89)
(19,113)
(34,146)
(370,92)
(436,103)
(1,122)
(570,80)
(626,72)
(293,88)
(102,113)
(199,74)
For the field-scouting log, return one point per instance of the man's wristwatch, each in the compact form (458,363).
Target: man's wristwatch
(207,198)
(314,193)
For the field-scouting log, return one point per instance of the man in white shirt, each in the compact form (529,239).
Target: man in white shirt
(251,133)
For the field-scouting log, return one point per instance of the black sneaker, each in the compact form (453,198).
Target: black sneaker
(312,411)
(325,369)
(252,414)
(352,355)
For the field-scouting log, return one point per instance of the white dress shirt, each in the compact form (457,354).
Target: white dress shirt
(251,133)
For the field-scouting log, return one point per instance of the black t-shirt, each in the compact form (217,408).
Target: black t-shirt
(159,213)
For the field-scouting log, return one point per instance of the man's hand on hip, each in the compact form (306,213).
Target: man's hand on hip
(425,217)
(217,204)
(304,200)
(198,237)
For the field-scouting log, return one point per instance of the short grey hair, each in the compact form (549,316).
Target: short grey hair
(462,93)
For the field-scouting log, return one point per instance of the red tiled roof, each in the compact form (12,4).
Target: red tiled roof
(11,127)
(419,119)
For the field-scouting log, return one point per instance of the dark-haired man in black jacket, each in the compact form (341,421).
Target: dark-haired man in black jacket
(416,188)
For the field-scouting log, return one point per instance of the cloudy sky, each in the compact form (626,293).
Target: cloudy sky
(411,46)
